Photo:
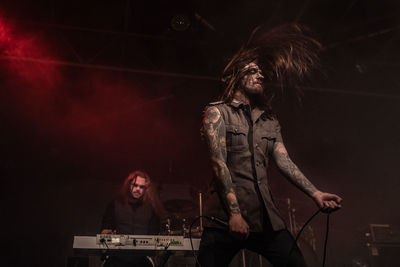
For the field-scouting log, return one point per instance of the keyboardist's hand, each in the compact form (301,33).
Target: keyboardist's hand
(108,232)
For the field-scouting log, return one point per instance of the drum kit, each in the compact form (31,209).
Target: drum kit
(183,205)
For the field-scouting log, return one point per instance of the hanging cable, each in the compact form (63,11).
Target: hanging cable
(225,224)
(326,239)
(299,233)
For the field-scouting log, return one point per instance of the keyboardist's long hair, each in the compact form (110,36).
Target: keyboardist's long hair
(150,195)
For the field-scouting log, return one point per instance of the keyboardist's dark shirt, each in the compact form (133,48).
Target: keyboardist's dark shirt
(131,216)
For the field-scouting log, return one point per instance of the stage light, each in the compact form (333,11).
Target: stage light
(180,22)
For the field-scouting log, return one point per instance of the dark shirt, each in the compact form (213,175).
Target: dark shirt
(250,137)
(131,216)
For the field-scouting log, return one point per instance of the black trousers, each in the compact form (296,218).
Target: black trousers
(218,247)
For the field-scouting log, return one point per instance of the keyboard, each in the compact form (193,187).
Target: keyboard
(128,244)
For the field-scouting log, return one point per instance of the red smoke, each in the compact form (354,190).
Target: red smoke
(87,110)
(28,57)
(5,38)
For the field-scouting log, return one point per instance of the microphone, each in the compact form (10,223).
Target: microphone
(219,221)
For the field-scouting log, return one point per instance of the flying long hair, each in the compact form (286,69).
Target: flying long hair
(150,195)
(286,54)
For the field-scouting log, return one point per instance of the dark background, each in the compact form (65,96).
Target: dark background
(93,90)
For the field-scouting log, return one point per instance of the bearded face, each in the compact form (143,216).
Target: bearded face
(138,187)
(252,82)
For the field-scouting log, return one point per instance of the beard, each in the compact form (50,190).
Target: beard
(254,89)
(136,195)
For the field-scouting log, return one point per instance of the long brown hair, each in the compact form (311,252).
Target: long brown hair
(286,55)
(150,195)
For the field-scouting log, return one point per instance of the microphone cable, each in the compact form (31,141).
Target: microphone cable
(225,224)
(211,218)
(299,233)
(301,230)
(326,239)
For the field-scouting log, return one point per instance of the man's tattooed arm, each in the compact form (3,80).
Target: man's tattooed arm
(214,132)
(290,170)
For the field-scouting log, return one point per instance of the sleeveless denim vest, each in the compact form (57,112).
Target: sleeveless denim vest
(249,145)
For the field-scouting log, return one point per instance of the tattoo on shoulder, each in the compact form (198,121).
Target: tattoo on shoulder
(214,131)
(212,115)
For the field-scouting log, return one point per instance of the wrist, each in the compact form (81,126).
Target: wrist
(316,194)
(235,214)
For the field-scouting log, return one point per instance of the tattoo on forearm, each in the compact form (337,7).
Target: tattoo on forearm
(291,171)
(214,132)
(232,203)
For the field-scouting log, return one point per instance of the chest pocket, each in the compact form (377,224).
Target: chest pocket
(236,138)
(268,140)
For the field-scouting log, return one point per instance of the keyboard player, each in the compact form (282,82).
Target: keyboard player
(136,211)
